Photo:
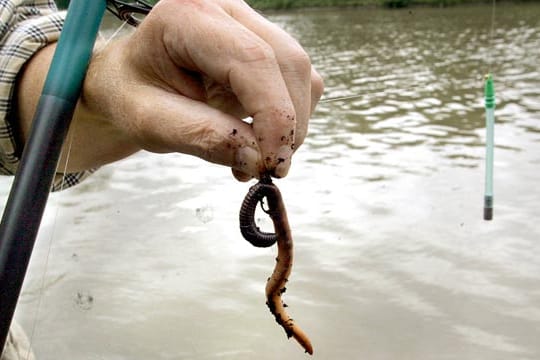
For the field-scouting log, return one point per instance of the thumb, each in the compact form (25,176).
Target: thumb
(166,122)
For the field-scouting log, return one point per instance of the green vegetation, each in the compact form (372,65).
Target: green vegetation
(292,4)
(295,4)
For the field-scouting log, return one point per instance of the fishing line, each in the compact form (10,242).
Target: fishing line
(49,247)
(492,36)
(38,166)
(115,33)
(339,98)
(371,94)
(489,99)
(64,172)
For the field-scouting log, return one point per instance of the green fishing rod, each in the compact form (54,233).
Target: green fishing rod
(37,168)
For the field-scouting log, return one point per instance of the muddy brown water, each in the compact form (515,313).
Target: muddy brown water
(393,260)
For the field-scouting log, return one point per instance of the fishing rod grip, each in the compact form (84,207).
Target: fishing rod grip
(37,168)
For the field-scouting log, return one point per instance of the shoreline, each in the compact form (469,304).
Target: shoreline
(325,4)
(319,4)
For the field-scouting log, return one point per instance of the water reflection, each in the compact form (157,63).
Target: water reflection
(417,86)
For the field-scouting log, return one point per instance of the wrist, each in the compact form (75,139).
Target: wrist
(97,139)
(99,98)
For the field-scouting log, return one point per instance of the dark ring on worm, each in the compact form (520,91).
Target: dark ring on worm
(250,231)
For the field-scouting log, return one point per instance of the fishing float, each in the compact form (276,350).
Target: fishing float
(489,95)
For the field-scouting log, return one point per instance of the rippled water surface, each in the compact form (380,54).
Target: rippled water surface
(394,261)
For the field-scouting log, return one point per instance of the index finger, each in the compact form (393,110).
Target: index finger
(304,85)
(214,43)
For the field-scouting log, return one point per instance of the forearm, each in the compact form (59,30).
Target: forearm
(92,141)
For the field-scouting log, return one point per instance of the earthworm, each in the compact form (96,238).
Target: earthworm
(275,287)
(248,228)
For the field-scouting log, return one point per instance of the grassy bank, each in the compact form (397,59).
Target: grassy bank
(291,4)
(294,4)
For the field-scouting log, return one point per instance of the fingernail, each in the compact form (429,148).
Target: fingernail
(240,176)
(283,161)
(248,161)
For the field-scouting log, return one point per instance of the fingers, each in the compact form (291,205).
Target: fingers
(164,122)
(240,176)
(222,98)
(266,69)
(304,84)
(317,88)
(294,63)
(255,69)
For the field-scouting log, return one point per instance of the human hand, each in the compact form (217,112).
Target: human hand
(192,71)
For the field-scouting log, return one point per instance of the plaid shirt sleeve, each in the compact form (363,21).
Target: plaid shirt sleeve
(26,26)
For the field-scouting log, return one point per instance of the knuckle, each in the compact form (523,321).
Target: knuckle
(284,116)
(204,142)
(298,61)
(252,50)
(140,127)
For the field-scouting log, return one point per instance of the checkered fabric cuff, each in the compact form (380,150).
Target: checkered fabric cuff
(26,26)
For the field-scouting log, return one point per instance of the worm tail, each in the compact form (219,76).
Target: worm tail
(276,285)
